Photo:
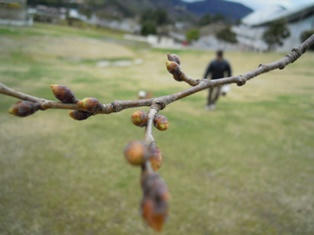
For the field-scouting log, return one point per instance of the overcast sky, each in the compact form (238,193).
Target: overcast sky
(257,4)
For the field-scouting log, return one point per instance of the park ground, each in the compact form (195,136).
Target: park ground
(246,168)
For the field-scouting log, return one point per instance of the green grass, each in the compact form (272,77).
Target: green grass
(247,168)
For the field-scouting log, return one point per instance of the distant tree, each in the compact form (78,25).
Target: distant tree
(159,16)
(205,20)
(192,35)
(305,35)
(227,35)
(275,34)
(148,27)
(151,19)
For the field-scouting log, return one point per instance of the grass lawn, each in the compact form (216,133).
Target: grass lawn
(247,168)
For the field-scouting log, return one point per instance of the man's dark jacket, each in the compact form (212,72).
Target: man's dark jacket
(217,69)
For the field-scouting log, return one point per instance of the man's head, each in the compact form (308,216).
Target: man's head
(219,54)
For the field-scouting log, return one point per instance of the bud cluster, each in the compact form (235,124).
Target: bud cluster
(140,118)
(154,205)
(66,96)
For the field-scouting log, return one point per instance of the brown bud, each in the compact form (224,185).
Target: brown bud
(24,108)
(80,115)
(161,122)
(64,94)
(174,69)
(155,201)
(174,57)
(135,152)
(155,158)
(139,118)
(172,66)
(90,104)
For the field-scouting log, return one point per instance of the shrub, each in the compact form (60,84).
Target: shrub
(192,35)
(148,27)
(227,35)
(275,34)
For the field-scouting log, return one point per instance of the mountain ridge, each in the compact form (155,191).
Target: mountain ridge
(178,8)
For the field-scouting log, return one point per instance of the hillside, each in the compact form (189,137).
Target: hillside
(176,8)
(228,9)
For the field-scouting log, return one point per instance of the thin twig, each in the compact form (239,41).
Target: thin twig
(149,138)
(190,81)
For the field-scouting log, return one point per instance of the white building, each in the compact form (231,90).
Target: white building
(299,19)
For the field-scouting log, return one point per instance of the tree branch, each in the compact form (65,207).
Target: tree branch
(198,85)
(155,200)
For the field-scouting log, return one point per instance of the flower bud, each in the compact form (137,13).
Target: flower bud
(24,108)
(174,69)
(174,57)
(155,158)
(161,122)
(154,205)
(139,118)
(90,104)
(64,94)
(172,66)
(80,115)
(135,152)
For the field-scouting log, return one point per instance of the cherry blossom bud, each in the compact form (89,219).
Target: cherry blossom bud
(135,152)
(161,122)
(24,108)
(139,118)
(64,94)
(172,66)
(154,204)
(175,70)
(80,115)
(90,104)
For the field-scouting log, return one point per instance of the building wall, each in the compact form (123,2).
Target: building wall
(252,37)
(296,29)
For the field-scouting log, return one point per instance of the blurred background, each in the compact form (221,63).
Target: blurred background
(246,168)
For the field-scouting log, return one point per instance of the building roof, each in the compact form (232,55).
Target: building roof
(267,15)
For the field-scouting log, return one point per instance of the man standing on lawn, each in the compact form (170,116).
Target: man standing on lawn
(217,69)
